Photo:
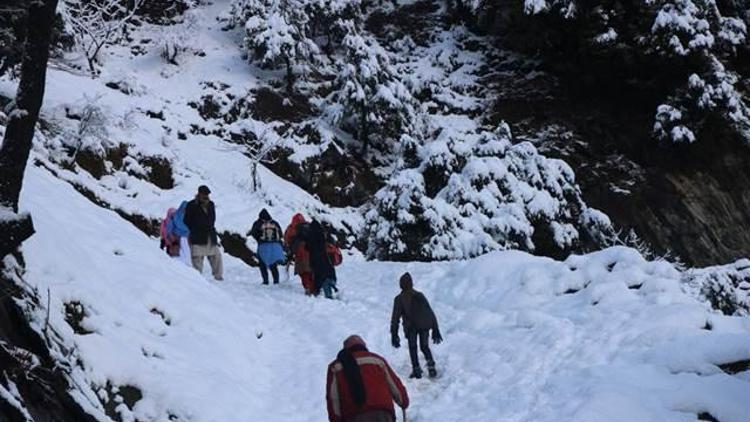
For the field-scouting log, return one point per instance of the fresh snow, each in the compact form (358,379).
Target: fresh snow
(606,336)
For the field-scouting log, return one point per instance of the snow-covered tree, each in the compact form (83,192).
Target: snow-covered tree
(487,194)
(370,97)
(277,34)
(96,24)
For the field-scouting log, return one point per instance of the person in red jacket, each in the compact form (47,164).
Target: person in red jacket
(295,237)
(362,387)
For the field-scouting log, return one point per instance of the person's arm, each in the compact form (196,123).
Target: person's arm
(333,397)
(255,231)
(398,391)
(395,320)
(437,338)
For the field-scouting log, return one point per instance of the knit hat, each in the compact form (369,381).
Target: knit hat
(264,215)
(353,340)
(204,189)
(405,282)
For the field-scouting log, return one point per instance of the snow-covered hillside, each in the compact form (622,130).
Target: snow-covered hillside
(606,336)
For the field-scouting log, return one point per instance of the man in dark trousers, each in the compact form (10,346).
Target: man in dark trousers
(412,306)
(200,217)
(361,386)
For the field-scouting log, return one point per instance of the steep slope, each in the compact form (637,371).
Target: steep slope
(606,336)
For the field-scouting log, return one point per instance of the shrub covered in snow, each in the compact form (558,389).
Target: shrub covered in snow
(726,287)
(476,192)
(369,97)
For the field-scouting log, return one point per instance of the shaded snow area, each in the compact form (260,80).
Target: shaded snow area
(601,337)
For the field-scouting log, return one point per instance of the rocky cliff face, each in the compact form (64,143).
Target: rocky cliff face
(690,201)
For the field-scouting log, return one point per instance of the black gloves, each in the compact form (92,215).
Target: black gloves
(395,341)
(436,337)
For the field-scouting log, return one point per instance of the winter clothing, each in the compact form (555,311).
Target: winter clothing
(418,319)
(319,261)
(169,241)
(423,336)
(213,253)
(361,386)
(412,306)
(185,253)
(375,416)
(271,253)
(200,218)
(179,227)
(267,232)
(295,237)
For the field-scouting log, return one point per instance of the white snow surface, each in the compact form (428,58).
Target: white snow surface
(520,345)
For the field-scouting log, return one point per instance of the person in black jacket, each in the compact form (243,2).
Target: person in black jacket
(412,306)
(200,217)
(323,271)
(267,232)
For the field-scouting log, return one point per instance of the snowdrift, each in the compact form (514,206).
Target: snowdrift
(606,336)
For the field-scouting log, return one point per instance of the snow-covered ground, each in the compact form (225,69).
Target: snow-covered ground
(520,345)
(602,337)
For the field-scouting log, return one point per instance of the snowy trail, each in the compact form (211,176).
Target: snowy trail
(520,344)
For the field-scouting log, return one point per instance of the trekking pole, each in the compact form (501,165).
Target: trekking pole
(403,412)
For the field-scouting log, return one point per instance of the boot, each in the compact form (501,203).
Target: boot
(431,372)
(417,373)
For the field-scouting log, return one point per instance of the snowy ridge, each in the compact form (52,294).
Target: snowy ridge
(606,336)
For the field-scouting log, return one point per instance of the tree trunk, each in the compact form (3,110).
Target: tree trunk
(289,75)
(364,134)
(14,152)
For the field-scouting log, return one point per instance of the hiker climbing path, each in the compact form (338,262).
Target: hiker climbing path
(526,338)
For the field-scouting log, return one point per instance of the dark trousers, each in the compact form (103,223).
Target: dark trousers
(423,336)
(264,272)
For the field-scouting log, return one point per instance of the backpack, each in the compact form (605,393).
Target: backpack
(334,254)
(270,232)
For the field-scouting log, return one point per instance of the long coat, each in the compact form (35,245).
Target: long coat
(201,223)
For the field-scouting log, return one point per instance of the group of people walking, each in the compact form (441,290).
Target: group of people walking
(361,386)
(189,233)
(310,245)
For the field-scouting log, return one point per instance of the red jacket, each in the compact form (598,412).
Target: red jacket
(382,388)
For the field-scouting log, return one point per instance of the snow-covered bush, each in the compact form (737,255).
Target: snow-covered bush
(92,131)
(369,97)
(180,39)
(726,287)
(486,194)
(277,34)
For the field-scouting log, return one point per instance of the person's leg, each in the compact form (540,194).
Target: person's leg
(275,273)
(217,264)
(197,261)
(328,288)
(416,370)
(424,345)
(196,256)
(263,271)
(307,282)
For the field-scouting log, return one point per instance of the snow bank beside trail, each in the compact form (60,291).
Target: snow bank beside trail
(606,336)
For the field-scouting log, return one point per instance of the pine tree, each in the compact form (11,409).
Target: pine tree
(277,34)
(371,97)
